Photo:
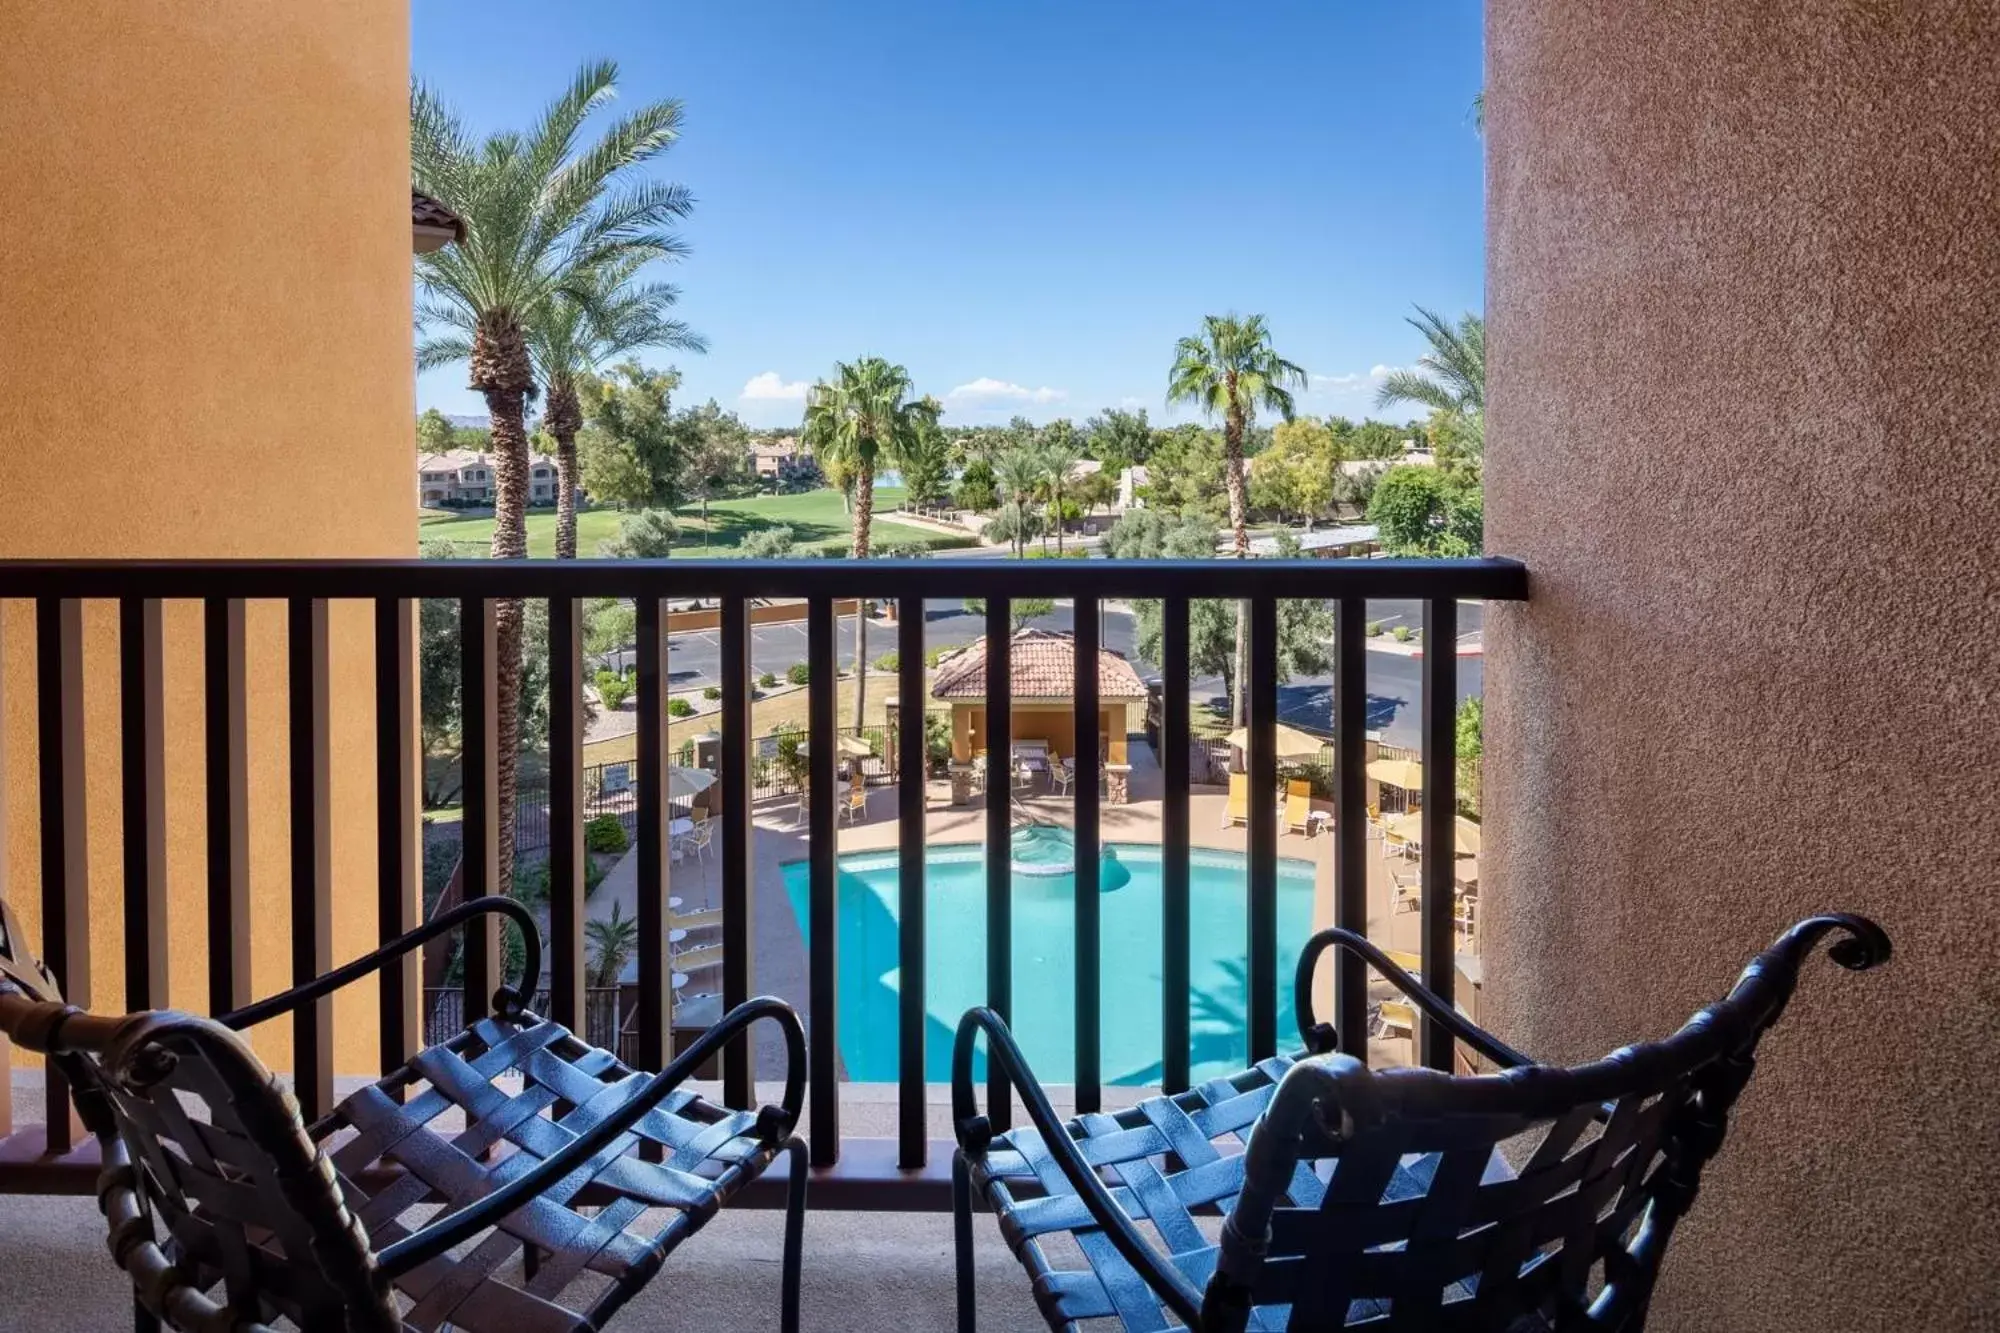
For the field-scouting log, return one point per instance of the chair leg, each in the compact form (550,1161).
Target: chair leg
(795,1225)
(961,1234)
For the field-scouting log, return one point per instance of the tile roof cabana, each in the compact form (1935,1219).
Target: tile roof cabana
(1042,665)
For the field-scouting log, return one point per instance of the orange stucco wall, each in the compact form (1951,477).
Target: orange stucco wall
(1744,296)
(205,351)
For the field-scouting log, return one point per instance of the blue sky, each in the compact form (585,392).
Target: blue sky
(1024,203)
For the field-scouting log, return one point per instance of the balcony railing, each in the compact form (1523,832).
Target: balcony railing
(59,591)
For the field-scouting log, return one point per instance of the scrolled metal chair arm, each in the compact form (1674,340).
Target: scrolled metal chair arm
(506,999)
(1317,1036)
(975,1134)
(774,1125)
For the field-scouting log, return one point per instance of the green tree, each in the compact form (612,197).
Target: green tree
(540,212)
(649,534)
(613,941)
(1449,378)
(714,455)
(438,685)
(1017,473)
(1185,472)
(1059,451)
(976,488)
(1468,733)
(609,623)
(1021,611)
(854,419)
(1423,511)
(1095,490)
(1119,439)
(1231,371)
(632,449)
(606,313)
(1295,474)
(435,433)
(923,460)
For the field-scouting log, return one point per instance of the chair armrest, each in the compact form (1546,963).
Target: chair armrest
(507,999)
(774,1125)
(1319,1037)
(975,1132)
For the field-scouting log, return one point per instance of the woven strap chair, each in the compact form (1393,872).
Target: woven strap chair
(1315,1193)
(512,1178)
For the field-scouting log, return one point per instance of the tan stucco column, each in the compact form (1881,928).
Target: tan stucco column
(205,311)
(1744,302)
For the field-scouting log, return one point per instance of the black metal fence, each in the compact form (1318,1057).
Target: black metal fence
(743,768)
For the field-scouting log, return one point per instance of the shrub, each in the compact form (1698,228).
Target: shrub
(605,834)
(766,680)
(790,762)
(798,673)
(613,689)
(933,655)
(888,661)
(1402,633)
(679,708)
(711,691)
(1373,629)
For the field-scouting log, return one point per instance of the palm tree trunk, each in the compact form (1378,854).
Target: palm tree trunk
(864,515)
(704,519)
(503,374)
(1059,517)
(564,418)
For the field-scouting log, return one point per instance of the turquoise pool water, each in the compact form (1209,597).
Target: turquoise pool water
(1045,955)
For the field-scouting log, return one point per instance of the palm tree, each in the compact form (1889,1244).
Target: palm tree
(612,941)
(540,213)
(854,419)
(1450,378)
(571,336)
(1060,451)
(1232,371)
(1017,472)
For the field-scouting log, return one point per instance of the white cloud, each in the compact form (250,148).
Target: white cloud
(770,387)
(986,389)
(1131,404)
(1351,382)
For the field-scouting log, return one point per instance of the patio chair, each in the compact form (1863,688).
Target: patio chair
(1298,806)
(1063,776)
(698,838)
(855,808)
(1538,1198)
(1237,811)
(230,1213)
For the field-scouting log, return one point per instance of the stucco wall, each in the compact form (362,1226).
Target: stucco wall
(1744,293)
(205,351)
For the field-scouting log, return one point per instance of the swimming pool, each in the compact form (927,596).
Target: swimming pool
(1045,955)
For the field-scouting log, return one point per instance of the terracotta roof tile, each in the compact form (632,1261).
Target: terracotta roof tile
(1043,666)
(428,212)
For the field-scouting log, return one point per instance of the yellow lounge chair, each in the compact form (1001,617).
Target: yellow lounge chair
(1298,806)
(1238,809)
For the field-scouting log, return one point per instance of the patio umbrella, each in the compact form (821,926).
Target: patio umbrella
(1410,828)
(1291,742)
(683,783)
(853,747)
(1404,773)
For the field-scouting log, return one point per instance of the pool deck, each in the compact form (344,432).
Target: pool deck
(780,964)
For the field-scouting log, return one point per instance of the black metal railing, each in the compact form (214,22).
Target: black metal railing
(480,587)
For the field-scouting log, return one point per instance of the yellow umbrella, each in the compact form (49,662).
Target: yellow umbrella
(851,746)
(1404,773)
(1292,743)
(1410,828)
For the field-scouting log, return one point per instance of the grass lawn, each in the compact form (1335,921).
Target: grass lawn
(818,521)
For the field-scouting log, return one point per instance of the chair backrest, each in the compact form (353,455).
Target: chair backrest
(1474,1202)
(1239,790)
(209,1174)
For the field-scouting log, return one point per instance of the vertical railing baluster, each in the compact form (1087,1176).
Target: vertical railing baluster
(823,913)
(65,827)
(999,840)
(311,853)
(738,874)
(566,851)
(479,781)
(1263,833)
(6,1046)
(1176,988)
(1089,756)
(911,765)
(1440,815)
(655,983)
(226,757)
(143,780)
(1350,822)
(398,878)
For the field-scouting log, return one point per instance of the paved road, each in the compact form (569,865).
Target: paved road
(1394,681)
